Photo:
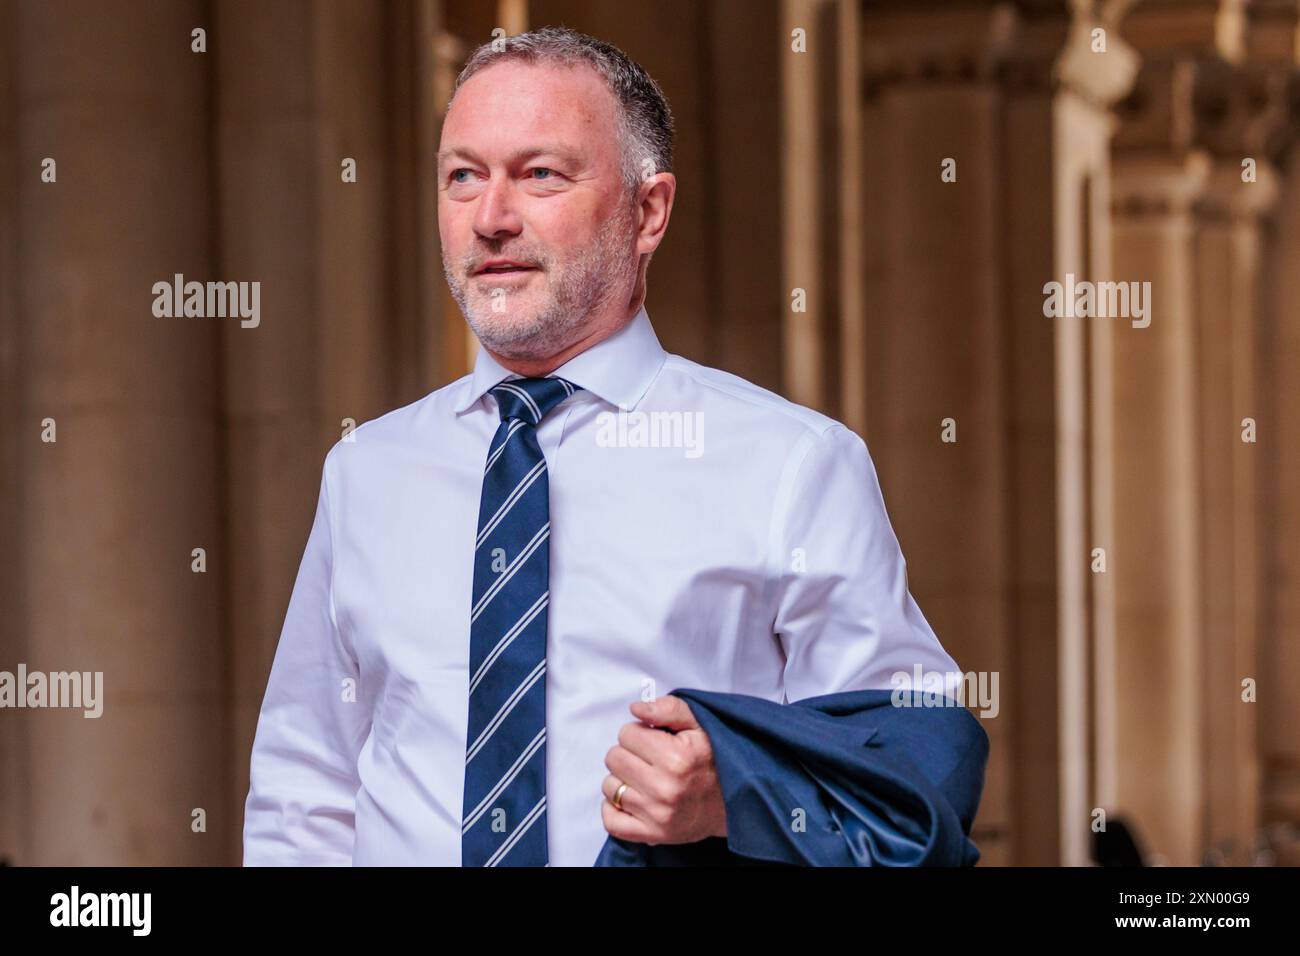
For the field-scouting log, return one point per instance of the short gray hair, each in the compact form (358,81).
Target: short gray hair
(645,120)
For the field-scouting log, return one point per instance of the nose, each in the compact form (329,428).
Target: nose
(496,215)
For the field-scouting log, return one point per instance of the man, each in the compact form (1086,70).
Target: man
(502,573)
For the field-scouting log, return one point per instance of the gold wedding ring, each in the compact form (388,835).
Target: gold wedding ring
(618,796)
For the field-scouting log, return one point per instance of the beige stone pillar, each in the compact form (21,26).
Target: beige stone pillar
(850,356)
(1229,257)
(1149,719)
(113,508)
(347,329)
(1196,158)
(1278,469)
(1228,253)
(994,524)
(806,52)
(13,813)
(1273,48)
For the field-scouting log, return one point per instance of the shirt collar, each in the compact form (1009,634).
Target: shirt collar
(618,369)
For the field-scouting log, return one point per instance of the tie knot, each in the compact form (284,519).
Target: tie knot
(530,399)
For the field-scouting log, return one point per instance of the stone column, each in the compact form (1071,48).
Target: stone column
(1196,160)
(1148,721)
(806,52)
(1230,219)
(986,131)
(1278,471)
(13,813)
(113,508)
(346,330)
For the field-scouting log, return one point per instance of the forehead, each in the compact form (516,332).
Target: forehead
(511,105)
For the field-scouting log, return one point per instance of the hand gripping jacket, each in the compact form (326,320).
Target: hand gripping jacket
(846,779)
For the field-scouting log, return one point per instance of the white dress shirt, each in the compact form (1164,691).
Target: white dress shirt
(734,541)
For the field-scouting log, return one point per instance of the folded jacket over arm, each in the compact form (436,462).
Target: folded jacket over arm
(845,779)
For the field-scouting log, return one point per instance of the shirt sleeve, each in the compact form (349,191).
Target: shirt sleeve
(844,615)
(301,801)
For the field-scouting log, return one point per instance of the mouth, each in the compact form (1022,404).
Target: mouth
(504,277)
(504,268)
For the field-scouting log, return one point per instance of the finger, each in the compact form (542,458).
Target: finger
(631,801)
(625,826)
(668,712)
(637,774)
(656,747)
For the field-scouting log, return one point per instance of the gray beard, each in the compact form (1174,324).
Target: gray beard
(580,288)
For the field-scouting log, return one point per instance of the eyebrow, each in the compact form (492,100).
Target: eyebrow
(546,149)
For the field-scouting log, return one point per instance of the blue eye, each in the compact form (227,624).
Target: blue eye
(457,172)
(542,169)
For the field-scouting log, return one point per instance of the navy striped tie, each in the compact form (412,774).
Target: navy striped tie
(504,814)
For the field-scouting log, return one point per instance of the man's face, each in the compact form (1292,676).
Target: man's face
(529,173)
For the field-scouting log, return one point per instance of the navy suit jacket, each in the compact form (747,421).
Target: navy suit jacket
(843,779)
